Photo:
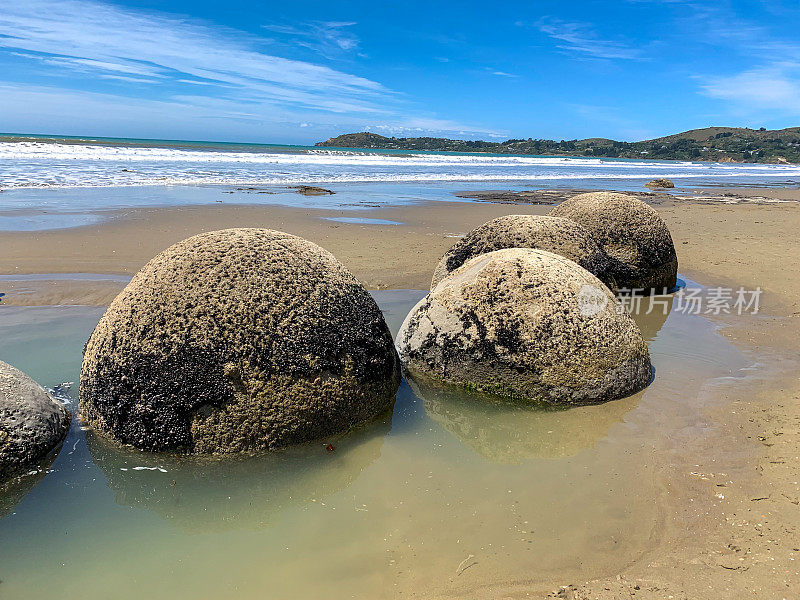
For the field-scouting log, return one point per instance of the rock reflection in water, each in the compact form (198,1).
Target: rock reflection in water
(14,489)
(659,307)
(206,493)
(510,433)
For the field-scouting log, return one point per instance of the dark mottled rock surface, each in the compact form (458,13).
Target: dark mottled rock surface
(526,324)
(32,422)
(515,197)
(660,184)
(238,340)
(310,190)
(557,235)
(550,196)
(631,233)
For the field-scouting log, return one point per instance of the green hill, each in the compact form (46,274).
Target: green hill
(718,144)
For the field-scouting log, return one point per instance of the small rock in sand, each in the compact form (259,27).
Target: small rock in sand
(310,190)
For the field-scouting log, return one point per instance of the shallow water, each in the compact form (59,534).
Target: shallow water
(443,495)
(362,221)
(44,190)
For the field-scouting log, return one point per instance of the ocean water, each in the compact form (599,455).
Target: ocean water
(444,497)
(52,183)
(62,162)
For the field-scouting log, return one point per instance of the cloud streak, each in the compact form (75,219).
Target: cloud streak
(580,39)
(169,70)
(331,39)
(769,85)
(774,88)
(93,37)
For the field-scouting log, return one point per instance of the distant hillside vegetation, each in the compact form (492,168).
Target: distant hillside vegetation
(718,144)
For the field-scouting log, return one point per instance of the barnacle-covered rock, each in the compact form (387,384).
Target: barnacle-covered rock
(32,422)
(238,340)
(526,324)
(554,234)
(631,233)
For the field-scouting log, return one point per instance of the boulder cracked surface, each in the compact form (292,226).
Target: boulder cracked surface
(238,340)
(529,325)
(32,422)
(631,233)
(554,234)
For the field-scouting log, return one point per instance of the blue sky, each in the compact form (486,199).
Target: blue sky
(299,72)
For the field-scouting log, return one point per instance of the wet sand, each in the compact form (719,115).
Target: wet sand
(731,530)
(744,243)
(382,256)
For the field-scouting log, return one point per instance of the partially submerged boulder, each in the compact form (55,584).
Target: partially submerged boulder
(526,324)
(32,422)
(631,233)
(554,234)
(659,184)
(238,340)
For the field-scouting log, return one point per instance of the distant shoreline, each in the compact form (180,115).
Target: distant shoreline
(712,144)
(708,145)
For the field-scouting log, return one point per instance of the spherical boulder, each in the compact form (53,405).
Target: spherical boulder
(238,340)
(632,234)
(526,324)
(554,234)
(32,422)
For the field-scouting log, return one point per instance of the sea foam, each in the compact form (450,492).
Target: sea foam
(38,164)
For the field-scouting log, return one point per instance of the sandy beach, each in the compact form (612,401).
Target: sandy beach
(715,240)
(730,530)
(330,301)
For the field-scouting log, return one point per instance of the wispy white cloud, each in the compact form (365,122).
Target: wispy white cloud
(581,39)
(768,84)
(502,73)
(774,88)
(85,34)
(88,65)
(53,109)
(197,71)
(329,38)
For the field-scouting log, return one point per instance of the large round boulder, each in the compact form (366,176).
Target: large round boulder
(238,340)
(32,422)
(554,234)
(526,324)
(632,234)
